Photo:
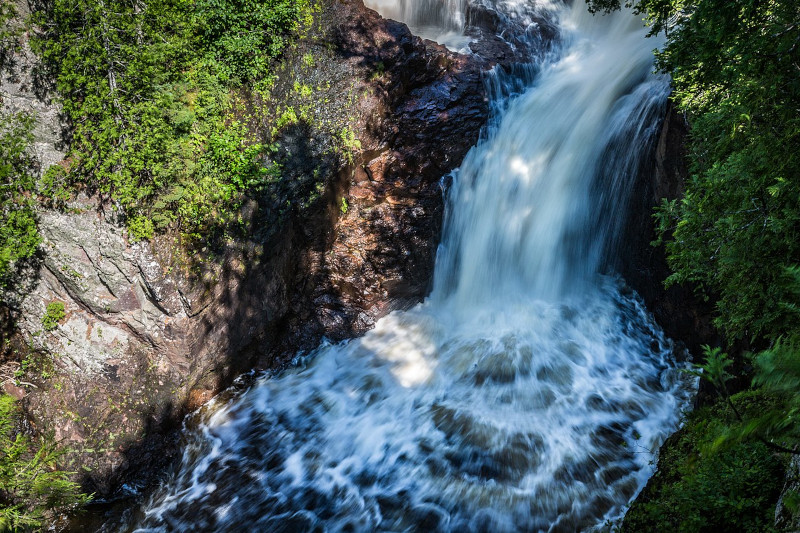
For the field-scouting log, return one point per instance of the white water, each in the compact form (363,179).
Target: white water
(444,21)
(438,20)
(527,393)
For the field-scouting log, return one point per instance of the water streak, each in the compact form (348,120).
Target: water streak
(529,392)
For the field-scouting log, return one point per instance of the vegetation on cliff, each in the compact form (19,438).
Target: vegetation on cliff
(734,235)
(32,489)
(19,237)
(154,98)
(150,90)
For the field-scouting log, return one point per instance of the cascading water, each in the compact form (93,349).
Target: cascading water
(444,21)
(438,20)
(527,393)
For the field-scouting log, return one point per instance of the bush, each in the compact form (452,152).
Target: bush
(700,488)
(244,36)
(32,488)
(150,90)
(54,313)
(19,236)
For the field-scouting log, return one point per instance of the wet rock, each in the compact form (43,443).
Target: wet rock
(429,517)
(462,426)
(556,374)
(520,455)
(486,521)
(504,366)
(573,352)
(678,310)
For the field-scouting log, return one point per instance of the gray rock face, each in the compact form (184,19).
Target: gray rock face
(117,362)
(115,295)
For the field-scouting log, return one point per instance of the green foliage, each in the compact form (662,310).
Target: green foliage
(19,237)
(348,143)
(244,36)
(777,377)
(777,374)
(736,231)
(54,313)
(702,488)
(714,369)
(287,118)
(32,488)
(149,89)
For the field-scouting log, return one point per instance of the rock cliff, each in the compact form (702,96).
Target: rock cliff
(149,333)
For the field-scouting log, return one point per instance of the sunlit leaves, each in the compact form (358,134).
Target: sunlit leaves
(19,237)
(148,89)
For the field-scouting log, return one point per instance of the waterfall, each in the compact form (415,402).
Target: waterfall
(438,20)
(529,392)
(524,213)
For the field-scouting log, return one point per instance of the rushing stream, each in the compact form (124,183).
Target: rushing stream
(529,392)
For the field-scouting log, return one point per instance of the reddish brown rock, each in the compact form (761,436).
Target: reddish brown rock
(13,390)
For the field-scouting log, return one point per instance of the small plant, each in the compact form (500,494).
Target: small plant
(349,140)
(344,207)
(34,489)
(140,229)
(287,118)
(349,143)
(53,314)
(714,370)
(380,69)
(308,60)
(302,89)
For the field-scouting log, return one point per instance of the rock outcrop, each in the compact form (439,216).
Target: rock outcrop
(683,315)
(149,334)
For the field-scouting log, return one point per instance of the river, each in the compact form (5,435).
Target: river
(529,392)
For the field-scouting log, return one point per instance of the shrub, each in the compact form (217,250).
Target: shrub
(150,89)
(19,236)
(53,314)
(33,489)
(700,488)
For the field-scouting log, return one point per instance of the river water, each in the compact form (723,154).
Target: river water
(528,392)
